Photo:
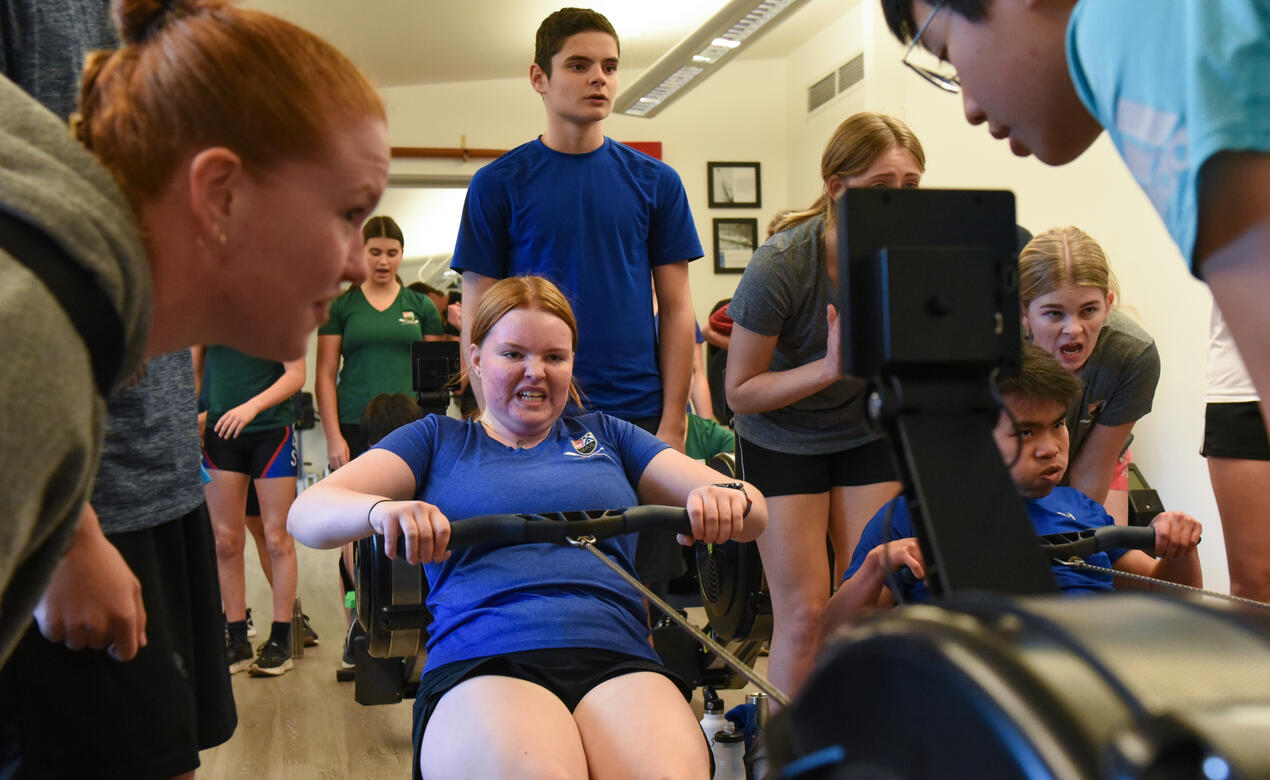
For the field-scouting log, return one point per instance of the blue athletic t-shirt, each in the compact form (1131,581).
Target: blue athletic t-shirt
(596,224)
(1064,510)
(492,600)
(1174,82)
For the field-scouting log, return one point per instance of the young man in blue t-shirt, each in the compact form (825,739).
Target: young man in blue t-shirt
(597,218)
(1032,436)
(600,220)
(1180,87)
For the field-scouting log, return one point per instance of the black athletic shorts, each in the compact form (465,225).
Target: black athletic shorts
(81,713)
(259,454)
(1235,431)
(568,672)
(356,439)
(781,474)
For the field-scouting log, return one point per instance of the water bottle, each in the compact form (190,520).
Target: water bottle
(758,751)
(729,754)
(713,721)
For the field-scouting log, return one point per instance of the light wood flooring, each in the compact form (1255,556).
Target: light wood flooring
(305,725)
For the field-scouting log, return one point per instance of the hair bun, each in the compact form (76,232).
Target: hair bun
(137,20)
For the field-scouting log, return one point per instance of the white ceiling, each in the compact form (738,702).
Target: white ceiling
(429,41)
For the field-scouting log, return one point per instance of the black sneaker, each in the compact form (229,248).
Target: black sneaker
(239,655)
(354,632)
(251,626)
(310,636)
(272,660)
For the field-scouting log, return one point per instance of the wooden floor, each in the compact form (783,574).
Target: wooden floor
(306,725)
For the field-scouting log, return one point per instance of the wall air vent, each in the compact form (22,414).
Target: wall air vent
(820,93)
(845,77)
(851,74)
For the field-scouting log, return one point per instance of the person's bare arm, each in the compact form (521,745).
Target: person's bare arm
(232,422)
(675,342)
(324,376)
(1090,471)
(753,387)
(702,404)
(866,588)
(372,495)
(1232,253)
(1177,537)
(714,337)
(198,354)
(718,514)
(94,599)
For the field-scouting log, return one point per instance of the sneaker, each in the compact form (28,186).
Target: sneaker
(310,636)
(272,660)
(354,632)
(239,655)
(251,626)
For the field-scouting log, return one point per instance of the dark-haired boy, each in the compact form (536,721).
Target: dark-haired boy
(597,218)
(1178,84)
(1033,441)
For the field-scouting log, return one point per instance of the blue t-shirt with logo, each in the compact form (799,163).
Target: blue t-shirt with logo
(596,224)
(1174,82)
(491,600)
(1064,510)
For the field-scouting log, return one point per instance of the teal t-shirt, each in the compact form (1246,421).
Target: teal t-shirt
(1174,82)
(376,345)
(231,378)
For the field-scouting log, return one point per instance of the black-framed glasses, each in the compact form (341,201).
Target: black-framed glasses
(947,81)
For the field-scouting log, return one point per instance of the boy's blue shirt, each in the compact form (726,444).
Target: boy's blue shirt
(1063,510)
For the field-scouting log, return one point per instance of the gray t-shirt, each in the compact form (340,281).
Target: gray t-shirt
(149,470)
(42,46)
(1120,378)
(784,293)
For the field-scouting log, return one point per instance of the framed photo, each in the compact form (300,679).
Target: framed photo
(734,244)
(734,185)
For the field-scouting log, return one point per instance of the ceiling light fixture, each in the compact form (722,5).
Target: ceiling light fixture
(694,58)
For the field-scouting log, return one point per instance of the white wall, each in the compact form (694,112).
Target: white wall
(731,117)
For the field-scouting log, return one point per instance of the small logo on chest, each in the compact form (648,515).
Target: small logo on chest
(584,446)
(408,318)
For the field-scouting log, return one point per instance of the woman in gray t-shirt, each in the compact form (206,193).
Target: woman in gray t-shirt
(801,435)
(1068,294)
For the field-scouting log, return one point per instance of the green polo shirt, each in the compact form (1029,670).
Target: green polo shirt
(706,438)
(233,378)
(376,346)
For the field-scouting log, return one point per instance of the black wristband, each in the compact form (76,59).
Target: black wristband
(741,487)
(372,509)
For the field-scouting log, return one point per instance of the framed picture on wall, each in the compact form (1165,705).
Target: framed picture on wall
(734,244)
(734,185)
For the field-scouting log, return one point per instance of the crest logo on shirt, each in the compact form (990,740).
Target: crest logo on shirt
(408,318)
(585,446)
(1093,410)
